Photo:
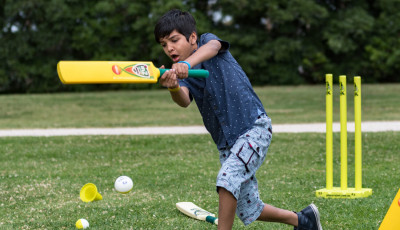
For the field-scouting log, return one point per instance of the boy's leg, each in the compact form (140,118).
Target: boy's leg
(227,208)
(236,176)
(273,214)
(308,218)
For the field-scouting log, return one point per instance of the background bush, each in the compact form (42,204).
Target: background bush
(276,42)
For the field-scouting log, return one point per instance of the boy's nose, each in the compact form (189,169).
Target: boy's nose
(170,48)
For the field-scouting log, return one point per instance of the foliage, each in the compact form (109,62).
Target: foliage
(276,42)
(37,34)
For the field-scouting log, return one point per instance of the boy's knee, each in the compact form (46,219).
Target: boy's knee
(248,213)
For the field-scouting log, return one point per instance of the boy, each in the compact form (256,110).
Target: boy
(231,112)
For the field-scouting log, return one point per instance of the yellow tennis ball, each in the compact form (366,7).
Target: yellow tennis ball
(82,224)
(123,184)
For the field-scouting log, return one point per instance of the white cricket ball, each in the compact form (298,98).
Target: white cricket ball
(123,184)
(82,224)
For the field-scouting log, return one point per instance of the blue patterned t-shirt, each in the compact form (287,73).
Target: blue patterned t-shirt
(226,100)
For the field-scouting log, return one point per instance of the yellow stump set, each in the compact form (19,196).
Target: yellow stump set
(343,191)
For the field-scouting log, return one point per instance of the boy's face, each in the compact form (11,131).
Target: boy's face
(177,47)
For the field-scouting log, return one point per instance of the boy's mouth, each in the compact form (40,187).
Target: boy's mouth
(175,58)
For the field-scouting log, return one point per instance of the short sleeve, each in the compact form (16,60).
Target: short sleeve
(209,36)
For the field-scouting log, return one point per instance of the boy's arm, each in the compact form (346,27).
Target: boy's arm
(180,95)
(204,53)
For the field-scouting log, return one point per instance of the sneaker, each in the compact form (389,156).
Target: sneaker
(309,219)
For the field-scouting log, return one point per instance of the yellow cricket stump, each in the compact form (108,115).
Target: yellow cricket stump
(343,132)
(329,132)
(343,191)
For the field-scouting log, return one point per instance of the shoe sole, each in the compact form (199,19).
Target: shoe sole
(316,213)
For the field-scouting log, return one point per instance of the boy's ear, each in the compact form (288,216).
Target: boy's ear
(193,38)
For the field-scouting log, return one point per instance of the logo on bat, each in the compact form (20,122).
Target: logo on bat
(138,70)
(201,212)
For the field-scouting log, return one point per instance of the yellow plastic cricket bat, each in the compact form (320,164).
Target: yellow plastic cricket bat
(110,72)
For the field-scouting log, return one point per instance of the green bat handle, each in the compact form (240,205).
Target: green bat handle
(200,73)
(211,219)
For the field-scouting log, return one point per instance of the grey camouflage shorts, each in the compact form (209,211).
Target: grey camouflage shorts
(239,166)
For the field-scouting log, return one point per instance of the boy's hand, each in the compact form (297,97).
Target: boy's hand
(181,70)
(169,79)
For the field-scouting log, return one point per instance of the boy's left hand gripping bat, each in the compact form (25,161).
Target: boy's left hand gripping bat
(106,72)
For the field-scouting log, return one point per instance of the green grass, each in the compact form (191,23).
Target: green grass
(40,180)
(40,177)
(302,104)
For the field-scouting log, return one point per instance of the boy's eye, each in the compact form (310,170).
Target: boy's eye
(175,39)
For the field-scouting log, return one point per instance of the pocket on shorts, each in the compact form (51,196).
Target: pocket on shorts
(246,151)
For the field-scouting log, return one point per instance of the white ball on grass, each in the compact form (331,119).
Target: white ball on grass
(123,184)
(82,224)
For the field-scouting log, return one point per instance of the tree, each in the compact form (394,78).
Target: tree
(276,42)
(37,34)
(272,38)
(383,48)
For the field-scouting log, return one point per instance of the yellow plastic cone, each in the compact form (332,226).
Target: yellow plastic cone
(89,193)
(391,220)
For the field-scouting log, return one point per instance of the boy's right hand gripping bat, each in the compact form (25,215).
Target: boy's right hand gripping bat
(103,72)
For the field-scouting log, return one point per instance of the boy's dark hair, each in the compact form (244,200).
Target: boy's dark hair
(183,22)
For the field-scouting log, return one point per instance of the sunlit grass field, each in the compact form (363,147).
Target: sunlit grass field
(40,177)
(284,104)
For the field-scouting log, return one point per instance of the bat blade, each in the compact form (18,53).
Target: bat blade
(103,72)
(192,210)
(113,72)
